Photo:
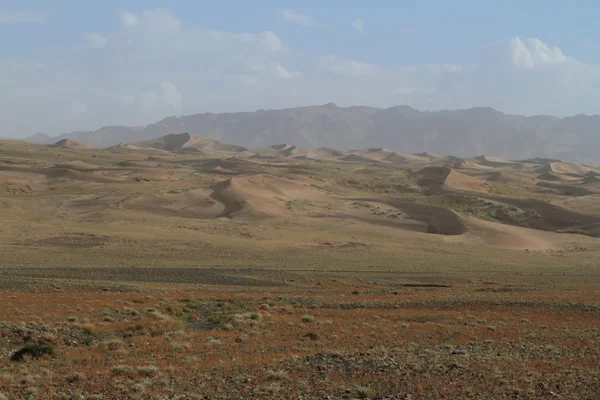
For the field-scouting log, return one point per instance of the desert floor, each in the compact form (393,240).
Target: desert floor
(183,269)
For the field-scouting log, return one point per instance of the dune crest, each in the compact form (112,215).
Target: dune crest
(185,142)
(437,179)
(69,144)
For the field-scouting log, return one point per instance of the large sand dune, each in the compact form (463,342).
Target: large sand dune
(509,237)
(440,178)
(565,170)
(495,162)
(546,216)
(184,142)
(69,144)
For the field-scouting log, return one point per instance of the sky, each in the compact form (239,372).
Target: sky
(80,65)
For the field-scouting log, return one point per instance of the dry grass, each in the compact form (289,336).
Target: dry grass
(466,338)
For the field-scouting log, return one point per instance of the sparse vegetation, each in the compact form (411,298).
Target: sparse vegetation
(236,278)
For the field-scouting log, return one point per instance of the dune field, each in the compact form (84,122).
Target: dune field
(151,268)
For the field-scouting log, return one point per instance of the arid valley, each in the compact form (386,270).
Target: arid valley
(183,268)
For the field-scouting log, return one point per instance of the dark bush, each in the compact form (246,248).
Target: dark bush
(33,351)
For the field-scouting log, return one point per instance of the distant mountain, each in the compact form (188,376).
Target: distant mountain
(461,133)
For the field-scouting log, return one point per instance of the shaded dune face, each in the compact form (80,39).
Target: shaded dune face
(438,179)
(68,143)
(438,220)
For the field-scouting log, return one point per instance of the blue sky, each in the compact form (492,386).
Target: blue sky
(81,65)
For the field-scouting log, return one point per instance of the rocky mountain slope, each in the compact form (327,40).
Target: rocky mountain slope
(463,133)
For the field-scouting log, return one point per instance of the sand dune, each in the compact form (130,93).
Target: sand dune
(569,168)
(591,178)
(439,220)
(379,154)
(539,160)
(508,237)
(139,164)
(242,197)
(588,204)
(567,171)
(283,150)
(197,178)
(280,146)
(545,216)
(292,151)
(430,156)
(495,161)
(455,162)
(439,178)
(549,176)
(470,164)
(79,166)
(322,153)
(355,158)
(70,144)
(570,190)
(192,204)
(62,173)
(184,142)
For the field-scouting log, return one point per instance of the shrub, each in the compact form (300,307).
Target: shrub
(307,318)
(362,392)
(33,351)
(121,369)
(147,370)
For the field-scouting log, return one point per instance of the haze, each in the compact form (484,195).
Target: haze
(67,67)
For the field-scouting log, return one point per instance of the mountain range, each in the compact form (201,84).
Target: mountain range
(462,133)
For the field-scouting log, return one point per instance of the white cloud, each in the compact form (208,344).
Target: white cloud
(171,96)
(533,53)
(148,99)
(129,19)
(95,40)
(125,99)
(161,21)
(78,109)
(282,72)
(296,17)
(269,40)
(359,25)
(348,67)
(153,63)
(246,80)
(14,17)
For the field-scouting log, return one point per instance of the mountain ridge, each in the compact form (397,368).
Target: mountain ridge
(464,132)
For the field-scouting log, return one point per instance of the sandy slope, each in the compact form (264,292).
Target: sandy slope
(567,171)
(545,216)
(438,220)
(569,168)
(510,237)
(494,161)
(78,166)
(251,196)
(438,178)
(70,144)
(184,142)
